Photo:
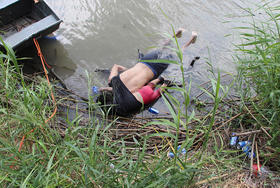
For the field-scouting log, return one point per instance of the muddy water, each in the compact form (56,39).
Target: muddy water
(99,33)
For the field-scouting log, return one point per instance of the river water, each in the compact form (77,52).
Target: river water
(100,33)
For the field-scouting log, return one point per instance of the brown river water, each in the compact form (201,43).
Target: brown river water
(99,33)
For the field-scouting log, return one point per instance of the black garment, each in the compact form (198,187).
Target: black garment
(159,67)
(124,100)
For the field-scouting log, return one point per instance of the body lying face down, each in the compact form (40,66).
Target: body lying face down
(119,100)
(133,89)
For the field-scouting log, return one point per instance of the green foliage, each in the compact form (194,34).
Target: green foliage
(88,155)
(259,68)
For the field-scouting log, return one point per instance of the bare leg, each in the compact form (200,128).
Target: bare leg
(192,41)
(178,34)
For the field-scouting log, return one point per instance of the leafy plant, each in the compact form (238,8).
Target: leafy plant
(259,68)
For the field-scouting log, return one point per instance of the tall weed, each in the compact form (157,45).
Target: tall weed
(87,154)
(259,68)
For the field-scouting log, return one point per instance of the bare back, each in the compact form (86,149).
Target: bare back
(136,77)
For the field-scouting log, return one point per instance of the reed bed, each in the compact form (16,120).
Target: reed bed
(82,146)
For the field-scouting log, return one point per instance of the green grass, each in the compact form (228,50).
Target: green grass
(259,69)
(91,154)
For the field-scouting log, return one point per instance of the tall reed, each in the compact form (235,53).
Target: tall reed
(87,154)
(259,67)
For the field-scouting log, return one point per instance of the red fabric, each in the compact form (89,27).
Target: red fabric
(149,94)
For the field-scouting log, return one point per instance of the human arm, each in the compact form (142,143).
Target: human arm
(115,71)
(106,89)
(160,89)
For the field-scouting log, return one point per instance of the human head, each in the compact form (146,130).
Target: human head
(106,100)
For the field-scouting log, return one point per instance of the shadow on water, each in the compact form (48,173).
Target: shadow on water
(53,55)
(55,52)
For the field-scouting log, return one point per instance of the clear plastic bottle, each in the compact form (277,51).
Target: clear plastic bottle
(179,154)
(241,144)
(233,139)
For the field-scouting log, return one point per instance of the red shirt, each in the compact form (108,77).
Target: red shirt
(149,94)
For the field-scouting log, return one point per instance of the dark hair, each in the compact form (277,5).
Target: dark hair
(106,100)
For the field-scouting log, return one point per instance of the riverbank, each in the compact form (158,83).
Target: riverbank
(83,146)
(94,149)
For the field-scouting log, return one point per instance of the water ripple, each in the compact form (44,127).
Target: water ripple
(99,33)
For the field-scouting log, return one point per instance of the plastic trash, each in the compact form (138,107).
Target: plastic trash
(171,155)
(249,154)
(112,166)
(264,171)
(247,149)
(242,144)
(233,139)
(50,37)
(95,90)
(153,110)
(181,153)
(245,146)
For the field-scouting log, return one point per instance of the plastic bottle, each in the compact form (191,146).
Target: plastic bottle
(183,152)
(233,139)
(247,149)
(112,166)
(95,90)
(153,110)
(172,155)
(249,154)
(242,144)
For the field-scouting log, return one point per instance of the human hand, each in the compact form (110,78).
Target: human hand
(162,87)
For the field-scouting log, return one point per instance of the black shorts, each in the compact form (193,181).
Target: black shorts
(124,100)
(159,67)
